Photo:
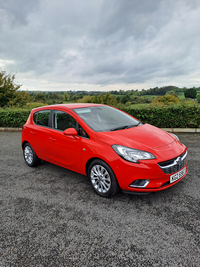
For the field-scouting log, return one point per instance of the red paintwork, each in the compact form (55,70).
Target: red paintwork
(74,152)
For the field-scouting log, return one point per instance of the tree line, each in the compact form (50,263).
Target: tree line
(11,95)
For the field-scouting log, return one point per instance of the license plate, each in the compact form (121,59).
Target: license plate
(177,175)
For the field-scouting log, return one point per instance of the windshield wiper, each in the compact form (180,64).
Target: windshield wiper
(134,125)
(118,128)
(125,127)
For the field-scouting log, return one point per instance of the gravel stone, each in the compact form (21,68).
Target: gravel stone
(51,217)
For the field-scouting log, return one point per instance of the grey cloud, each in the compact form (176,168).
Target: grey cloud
(18,10)
(101,42)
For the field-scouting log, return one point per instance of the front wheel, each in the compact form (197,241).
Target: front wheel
(102,179)
(30,157)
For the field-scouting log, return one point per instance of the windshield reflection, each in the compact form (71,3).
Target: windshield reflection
(105,118)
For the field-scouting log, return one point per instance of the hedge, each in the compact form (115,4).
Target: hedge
(13,117)
(178,116)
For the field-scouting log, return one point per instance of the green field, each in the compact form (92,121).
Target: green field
(180,95)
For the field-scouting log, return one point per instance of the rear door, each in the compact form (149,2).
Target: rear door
(39,133)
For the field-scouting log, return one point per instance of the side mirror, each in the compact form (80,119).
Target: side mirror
(70,132)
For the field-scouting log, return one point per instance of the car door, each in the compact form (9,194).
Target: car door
(39,133)
(65,150)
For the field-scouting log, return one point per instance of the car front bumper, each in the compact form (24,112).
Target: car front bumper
(127,172)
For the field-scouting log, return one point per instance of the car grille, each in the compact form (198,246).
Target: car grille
(173,165)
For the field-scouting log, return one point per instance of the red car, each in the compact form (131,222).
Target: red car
(115,150)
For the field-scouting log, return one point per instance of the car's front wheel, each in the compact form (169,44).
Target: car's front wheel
(30,157)
(102,179)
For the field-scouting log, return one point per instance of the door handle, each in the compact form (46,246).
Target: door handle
(52,139)
(33,133)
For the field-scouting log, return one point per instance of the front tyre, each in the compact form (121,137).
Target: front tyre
(30,157)
(102,179)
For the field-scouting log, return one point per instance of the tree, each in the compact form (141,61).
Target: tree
(107,99)
(190,93)
(21,99)
(66,97)
(171,92)
(8,88)
(125,99)
(40,97)
(55,96)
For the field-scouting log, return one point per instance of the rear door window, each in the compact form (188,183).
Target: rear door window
(42,118)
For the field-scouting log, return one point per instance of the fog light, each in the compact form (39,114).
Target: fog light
(141,183)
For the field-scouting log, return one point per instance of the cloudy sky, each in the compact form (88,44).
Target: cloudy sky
(100,44)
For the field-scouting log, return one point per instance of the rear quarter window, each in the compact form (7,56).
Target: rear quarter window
(41,118)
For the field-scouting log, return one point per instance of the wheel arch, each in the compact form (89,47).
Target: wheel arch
(114,187)
(23,143)
(91,160)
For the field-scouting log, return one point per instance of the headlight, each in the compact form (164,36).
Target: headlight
(132,155)
(174,135)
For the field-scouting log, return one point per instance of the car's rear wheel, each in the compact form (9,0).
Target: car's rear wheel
(102,179)
(30,157)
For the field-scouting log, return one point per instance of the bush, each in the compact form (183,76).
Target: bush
(13,117)
(166,100)
(34,105)
(190,93)
(175,116)
(140,100)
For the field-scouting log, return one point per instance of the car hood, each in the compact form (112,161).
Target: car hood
(140,137)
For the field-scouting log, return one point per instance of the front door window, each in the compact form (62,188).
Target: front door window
(63,121)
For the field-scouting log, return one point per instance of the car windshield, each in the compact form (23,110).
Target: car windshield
(105,118)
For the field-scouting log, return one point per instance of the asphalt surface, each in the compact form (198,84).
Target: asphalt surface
(51,217)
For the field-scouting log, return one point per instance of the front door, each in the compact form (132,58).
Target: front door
(65,150)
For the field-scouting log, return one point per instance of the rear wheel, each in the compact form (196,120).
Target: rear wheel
(102,179)
(30,157)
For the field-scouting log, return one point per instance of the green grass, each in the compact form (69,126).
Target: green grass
(180,95)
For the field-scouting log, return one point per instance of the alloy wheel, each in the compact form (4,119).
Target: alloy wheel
(100,179)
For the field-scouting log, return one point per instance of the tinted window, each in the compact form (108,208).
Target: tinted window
(41,117)
(63,120)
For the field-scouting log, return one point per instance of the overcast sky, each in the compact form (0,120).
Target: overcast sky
(100,44)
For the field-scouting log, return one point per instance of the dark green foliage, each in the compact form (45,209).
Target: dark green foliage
(40,97)
(140,100)
(178,116)
(198,99)
(13,117)
(158,91)
(190,93)
(125,99)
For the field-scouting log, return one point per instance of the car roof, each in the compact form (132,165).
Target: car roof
(68,106)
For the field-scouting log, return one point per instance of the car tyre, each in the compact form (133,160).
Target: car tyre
(102,179)
(30,157)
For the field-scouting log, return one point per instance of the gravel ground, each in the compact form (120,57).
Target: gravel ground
(50,216)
